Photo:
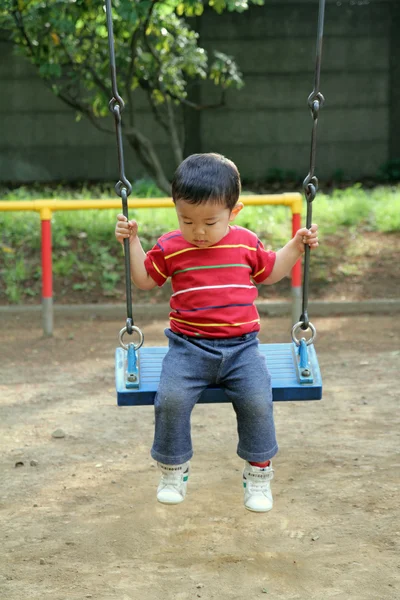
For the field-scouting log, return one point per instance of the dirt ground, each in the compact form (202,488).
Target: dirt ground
(78,514)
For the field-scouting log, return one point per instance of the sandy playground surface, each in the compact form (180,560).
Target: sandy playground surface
(78,514)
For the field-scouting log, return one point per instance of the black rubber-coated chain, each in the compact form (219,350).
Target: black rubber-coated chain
(123,188)
(310,184)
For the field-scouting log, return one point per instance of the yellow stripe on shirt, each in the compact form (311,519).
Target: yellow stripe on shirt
(158,270)
(200,325)
(211,248)
(259,273)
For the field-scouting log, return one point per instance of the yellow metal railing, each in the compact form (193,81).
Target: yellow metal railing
(46,207)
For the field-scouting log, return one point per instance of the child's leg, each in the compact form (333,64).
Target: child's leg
(247,382)
(185,373)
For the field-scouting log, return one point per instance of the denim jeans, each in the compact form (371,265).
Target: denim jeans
(190,365)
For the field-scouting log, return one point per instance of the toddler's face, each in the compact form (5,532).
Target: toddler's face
(204,225)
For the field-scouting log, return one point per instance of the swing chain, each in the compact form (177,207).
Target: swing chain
(123,188)
(310,184)
(116,106)
(315,102)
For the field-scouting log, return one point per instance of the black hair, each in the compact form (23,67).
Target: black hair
(207,178)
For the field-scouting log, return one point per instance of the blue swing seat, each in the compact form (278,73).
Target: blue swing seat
(290,381)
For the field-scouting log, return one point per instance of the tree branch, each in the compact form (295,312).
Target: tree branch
(196,106)
(95,122)
(176,145)
(129,77)
(155,110)
(17,16)
(100,84)
(107,91)
(85,110)
(148,156)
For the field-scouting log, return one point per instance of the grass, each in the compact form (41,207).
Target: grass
(142,188)
(86,256)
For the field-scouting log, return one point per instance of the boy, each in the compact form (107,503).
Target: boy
(213,321)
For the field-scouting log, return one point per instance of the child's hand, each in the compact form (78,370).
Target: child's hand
(125,229)
(306,236)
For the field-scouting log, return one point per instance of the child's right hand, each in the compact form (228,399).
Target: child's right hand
(125,229)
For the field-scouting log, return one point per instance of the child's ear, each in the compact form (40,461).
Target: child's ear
(236,210)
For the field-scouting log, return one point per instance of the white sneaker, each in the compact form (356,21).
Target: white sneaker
(173,483)
(257,487)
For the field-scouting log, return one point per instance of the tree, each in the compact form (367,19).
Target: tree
(156,51)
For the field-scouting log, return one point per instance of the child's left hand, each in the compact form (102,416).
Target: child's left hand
(306,236)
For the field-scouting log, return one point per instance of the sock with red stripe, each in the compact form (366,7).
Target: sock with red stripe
(262,465)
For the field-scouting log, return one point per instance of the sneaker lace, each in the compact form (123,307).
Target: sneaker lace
(171,479)
(259,484)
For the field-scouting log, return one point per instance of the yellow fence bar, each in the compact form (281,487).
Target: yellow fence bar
(293,200)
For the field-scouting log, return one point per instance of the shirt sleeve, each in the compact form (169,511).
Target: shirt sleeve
(263,263)
(156,266)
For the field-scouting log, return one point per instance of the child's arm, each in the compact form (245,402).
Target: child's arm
(128,229)
(287,256)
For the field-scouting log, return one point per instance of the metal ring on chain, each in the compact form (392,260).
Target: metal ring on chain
(310,192)
(116,103)
(298,326)
(137,330)
(315,96)
(123,183)
(311,179)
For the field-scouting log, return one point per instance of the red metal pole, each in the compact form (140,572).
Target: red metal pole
(47,277)
(296,274)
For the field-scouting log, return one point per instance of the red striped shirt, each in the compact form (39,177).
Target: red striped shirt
(213,289)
